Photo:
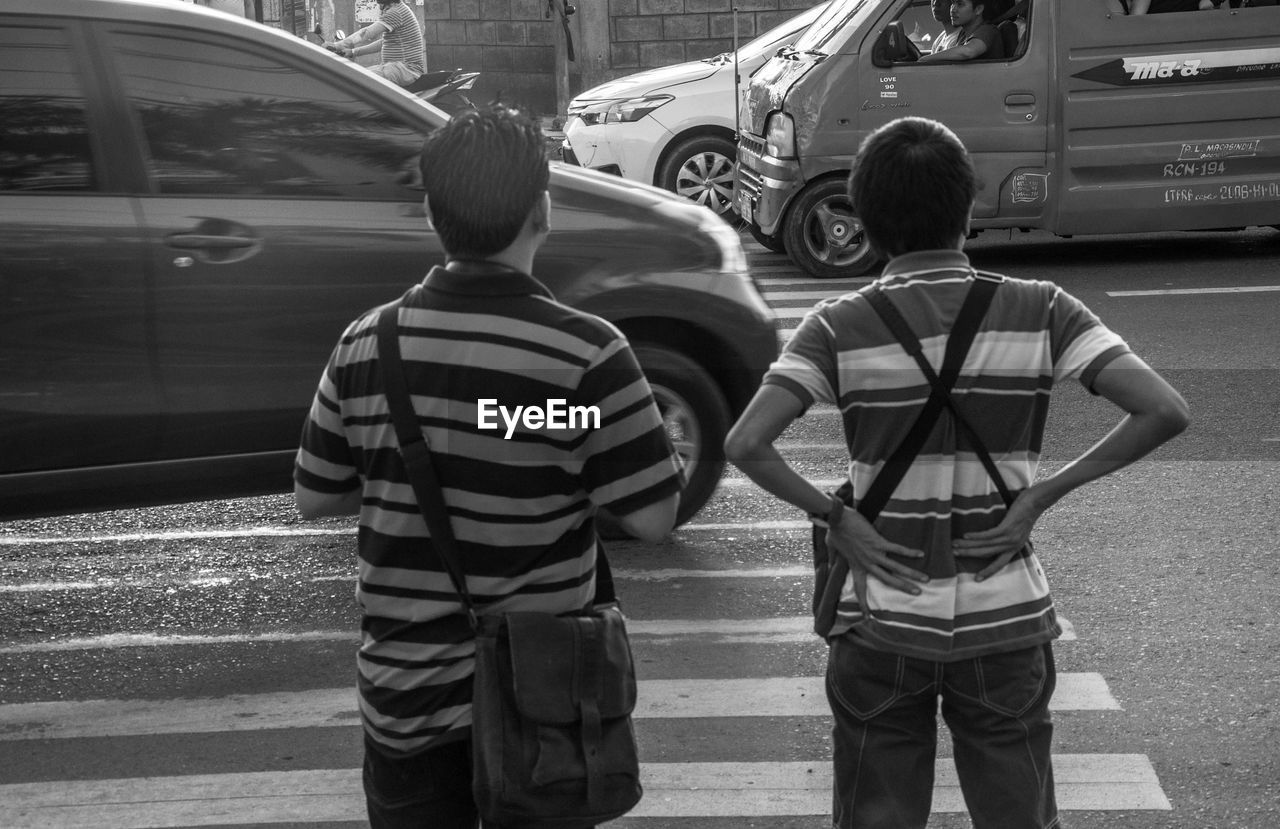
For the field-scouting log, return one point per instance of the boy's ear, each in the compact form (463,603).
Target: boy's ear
(542,213)
(426,208)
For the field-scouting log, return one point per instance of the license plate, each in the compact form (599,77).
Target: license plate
(745,209)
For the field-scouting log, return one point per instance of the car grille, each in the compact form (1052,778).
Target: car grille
(748,155)
(750,144)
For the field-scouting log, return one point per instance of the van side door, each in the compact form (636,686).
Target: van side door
(1170,121)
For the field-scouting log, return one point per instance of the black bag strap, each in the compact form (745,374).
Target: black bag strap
(417,455)
(960,340)
(422,474)
(984,288)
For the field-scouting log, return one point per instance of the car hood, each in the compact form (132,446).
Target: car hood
(652,80)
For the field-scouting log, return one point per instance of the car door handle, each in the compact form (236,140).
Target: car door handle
(204,241)
(1020,99)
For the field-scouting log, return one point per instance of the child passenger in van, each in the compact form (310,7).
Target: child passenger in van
(976,37)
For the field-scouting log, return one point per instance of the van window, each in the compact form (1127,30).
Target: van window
(830,32)
(222,120)
(44,134)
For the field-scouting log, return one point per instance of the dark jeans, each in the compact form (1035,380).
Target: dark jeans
(886,738)
(430,790)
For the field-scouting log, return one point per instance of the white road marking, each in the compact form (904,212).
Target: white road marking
(735,481)
(769,630)
(173,535)
(1244,289)
(1083,781)
(336,707)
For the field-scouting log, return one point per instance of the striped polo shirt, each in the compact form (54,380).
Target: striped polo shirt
(1033,336)
(522,498)
(403,43)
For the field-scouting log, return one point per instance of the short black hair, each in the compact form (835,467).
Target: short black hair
(483,171)
(912,186)
(991,9)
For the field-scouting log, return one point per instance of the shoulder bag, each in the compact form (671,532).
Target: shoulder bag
(552,740)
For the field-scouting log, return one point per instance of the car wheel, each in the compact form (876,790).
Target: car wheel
(701,170)
(822,235)
(772,242)
(697,419)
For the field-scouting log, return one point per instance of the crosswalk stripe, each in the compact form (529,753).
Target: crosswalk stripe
(1083,781)
(336,707)
(760,630)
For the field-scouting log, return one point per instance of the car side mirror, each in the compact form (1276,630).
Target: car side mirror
(893,46)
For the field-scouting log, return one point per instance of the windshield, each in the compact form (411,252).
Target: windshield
(767,44)
(832,30)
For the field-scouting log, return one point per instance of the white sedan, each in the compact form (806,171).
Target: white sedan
(674,126)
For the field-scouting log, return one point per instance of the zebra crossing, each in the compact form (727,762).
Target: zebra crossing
(731,717)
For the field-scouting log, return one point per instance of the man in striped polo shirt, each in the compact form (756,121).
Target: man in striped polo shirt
(945,597)
(398,35)
(480,337)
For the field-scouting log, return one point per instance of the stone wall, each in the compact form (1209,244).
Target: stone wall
(512,42)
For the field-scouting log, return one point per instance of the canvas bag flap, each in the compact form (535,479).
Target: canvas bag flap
(545,671)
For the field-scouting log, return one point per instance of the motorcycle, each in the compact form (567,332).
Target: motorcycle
(445,89)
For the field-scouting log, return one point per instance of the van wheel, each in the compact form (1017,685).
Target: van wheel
(696,416)
(701,170)
(772,242)
(822,235)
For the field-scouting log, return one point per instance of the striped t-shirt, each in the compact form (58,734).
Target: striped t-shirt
(1033,336)
(403,42)
(521,499)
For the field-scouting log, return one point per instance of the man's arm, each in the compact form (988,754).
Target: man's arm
(972,50)
(314,504)
(750,447)
(1155,413)
(355,43)
(651,523)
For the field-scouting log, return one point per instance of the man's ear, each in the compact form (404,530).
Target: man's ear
(426,208)
(541,215)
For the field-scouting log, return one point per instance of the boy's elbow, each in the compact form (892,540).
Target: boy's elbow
(739,446)
(1176,417)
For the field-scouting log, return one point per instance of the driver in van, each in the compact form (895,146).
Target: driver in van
(397,33)
(977,37)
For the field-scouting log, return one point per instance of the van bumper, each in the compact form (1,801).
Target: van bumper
(763,186)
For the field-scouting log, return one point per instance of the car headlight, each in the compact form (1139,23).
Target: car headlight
(621,112)
(780,136)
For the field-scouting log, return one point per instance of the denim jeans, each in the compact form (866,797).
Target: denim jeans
(885,736)
(430,790)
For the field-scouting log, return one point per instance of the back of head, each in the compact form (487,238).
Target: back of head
(993,9)
(912,187)
(483,172)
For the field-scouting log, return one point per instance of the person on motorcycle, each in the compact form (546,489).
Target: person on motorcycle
(397,33)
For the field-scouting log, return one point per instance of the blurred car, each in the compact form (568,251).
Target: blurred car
(193,207)
(674,126)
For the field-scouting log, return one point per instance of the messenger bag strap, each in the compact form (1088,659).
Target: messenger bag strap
(984,288)
(588,689)
(417,455)
(422,474)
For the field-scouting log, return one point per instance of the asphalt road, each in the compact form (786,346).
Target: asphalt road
(193,665)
